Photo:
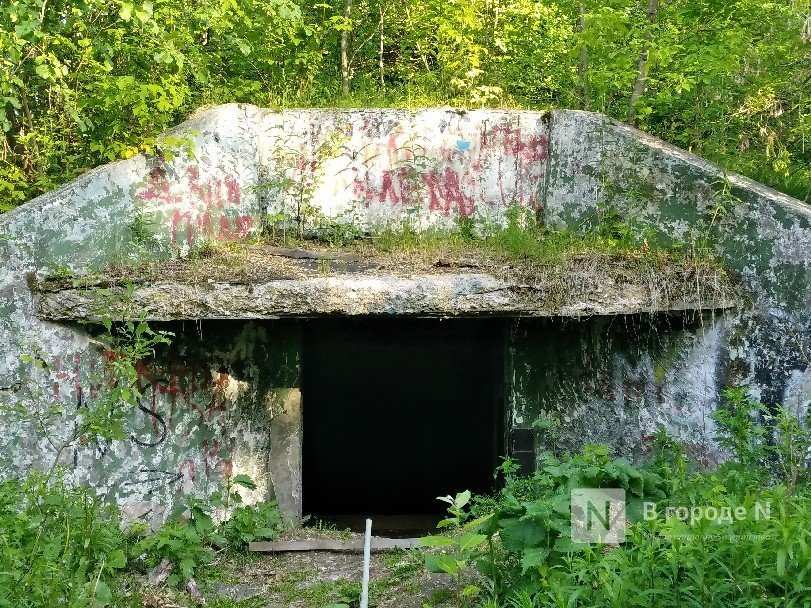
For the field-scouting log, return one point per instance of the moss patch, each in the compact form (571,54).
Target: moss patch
(607,266)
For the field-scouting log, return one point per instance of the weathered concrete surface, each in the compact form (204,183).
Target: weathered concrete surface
(373,167)
(599,165)
(259,281)
(431,166)
(442,295)
(195,435)
(616,380)
(284,458)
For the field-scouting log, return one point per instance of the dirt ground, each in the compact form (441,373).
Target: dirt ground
(314,579)
(318,579)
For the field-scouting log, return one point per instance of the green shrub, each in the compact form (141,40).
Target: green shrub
(251,523)
(187,541)
(59,545)
(184,541)
(754,550)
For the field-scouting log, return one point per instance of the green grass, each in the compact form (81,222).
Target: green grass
(221,602)
(524,239)
(521,238)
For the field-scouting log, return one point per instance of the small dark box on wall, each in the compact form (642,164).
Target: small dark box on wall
(522,449)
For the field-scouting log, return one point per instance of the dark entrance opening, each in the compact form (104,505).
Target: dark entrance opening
(399,412)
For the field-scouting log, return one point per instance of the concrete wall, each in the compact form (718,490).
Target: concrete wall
(598,164)
(616,380)
(380,166)
(237,164)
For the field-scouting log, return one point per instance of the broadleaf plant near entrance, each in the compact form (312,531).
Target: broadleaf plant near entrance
(737,535)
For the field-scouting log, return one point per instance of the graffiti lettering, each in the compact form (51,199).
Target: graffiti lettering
(503,166)
(192,207)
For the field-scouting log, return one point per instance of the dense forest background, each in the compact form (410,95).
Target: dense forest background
(83,82)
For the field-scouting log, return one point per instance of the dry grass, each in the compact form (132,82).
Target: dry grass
(562,266)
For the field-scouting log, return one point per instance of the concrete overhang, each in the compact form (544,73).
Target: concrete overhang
(301,284)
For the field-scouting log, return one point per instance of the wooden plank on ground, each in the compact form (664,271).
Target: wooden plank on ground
(304,254)
(354,545)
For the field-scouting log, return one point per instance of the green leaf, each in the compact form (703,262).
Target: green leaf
(533,557)
(187,566)
(117,559)
(442,563)
(467,542)
(244,47)
(13,102)
(462,499)
(781,561)
(103,596)
(516,535)
(43,71)
(436,541)
(477,524)
(470,591)
(244,481)
(565,544)
(144,13)
(125,12)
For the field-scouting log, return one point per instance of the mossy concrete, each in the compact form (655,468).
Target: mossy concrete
(372,167)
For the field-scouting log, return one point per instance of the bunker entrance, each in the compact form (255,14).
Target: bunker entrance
(399,412)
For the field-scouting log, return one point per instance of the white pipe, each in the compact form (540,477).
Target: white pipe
(367,550)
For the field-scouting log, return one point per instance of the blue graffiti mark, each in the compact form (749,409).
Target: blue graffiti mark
(462,145)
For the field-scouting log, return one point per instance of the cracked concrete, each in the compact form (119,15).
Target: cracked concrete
(373,167)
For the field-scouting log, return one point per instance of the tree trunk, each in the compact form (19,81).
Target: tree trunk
(417,43)
(29,159)
(583,64)
(642,72)
(345,74)
(380,50)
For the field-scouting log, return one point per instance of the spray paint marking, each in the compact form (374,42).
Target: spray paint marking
(193,208)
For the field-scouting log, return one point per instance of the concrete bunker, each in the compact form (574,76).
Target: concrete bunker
(342,417)
(634,347)
(373,383)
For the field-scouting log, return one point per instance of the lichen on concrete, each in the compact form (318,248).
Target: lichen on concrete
(262,281)
(374,167)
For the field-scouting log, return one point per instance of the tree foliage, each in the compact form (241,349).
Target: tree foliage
(83,82)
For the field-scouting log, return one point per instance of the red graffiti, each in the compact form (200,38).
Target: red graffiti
(504,165)
(445,193)
(513,143)
(226,468)
(193,389)
(159,188)
(212,460)
(537,148)
(453,195)
(193,207)
(431,182)
(188,469)
(388,191)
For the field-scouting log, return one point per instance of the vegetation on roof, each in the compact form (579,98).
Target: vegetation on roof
(520,243)
(606,266)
